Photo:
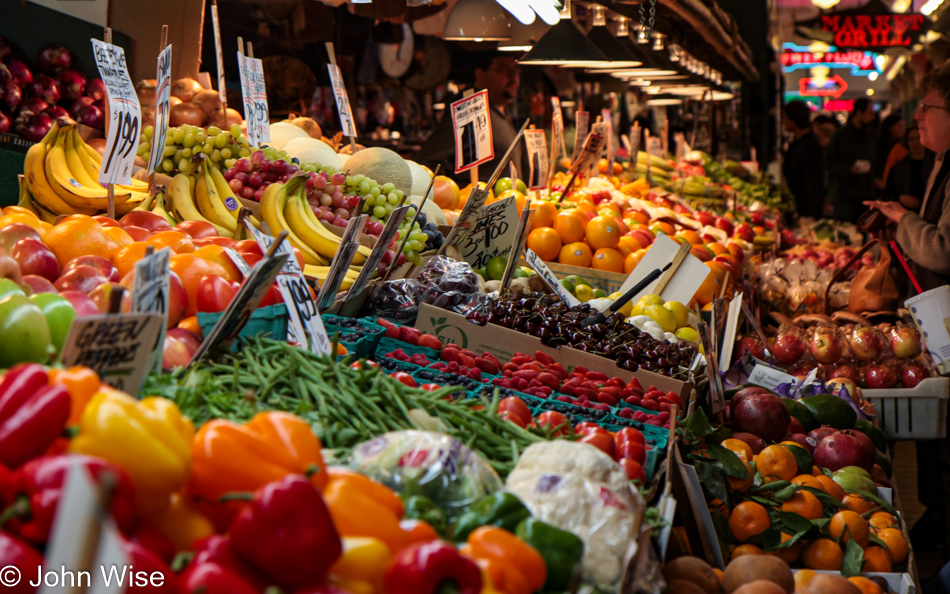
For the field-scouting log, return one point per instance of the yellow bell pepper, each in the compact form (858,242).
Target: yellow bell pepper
(352,586)
(181,523)
(149,439)
(364,559)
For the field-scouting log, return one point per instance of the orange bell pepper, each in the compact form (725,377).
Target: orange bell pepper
(82,383)
(499,575)
(497,545)
(419,530)
(181,523)
(360,506)
(228,457)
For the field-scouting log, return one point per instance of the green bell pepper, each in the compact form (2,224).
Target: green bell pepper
(422,508)
(501,509)
(562,551)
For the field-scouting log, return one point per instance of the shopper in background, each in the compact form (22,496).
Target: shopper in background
(907,179)
(498,73)
(924,236)
(824,126)
(804,164)
(891,135)
(849,157)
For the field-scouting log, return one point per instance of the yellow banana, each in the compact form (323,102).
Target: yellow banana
(136,185)
(330,241)
(148,202)
(182,205)
(301,226)
(224,190)
(273,202)
(25,200)
(130,205)
(80,165)
(321,272)
(158,207)
(34,167)
(68,187)
(209,202)
(138,191)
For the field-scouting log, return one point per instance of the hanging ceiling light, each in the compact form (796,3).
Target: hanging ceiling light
(664,101)
(825,4)
(658,45)
(617,54)
(565,45)
(477,20)
(523,37)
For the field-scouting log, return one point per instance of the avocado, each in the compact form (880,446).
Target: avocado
(831,410)
(801,412)
(874,432)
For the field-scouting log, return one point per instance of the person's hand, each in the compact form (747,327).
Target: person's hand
(909,202)
(892,210)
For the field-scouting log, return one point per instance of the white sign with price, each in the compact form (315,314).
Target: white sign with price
(493,233)
(473,135)
(557,130)
(581,130)
(538,265)
(150,295)
(162,107)
(342,101)
(125,114)
(537,145)
(301,307)
(255,99)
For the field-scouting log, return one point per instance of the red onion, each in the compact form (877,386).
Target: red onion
(37,127)
(90,115)
(30,107)
(46,89)
(101,104)
(5,122)
(5,48)
(56,112)
(11,94)
(55,57)
(20,71)
(96,89)
(72,83)
(79,103)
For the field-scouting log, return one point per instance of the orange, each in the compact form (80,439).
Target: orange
(628,245)
(739,448)
(219,255)
(718,573)
(857,503)
(18,217)
(816,472)
(847,524)
(805,504)
(126,257)
(587,208)
(190,268)
(631,261)
(881,521)
(520,199)
(45,227)
(690,236)
(341,350)
(742,485)
(832,488)
(570,225)
(897,545)
(802,577)
(807,480)
(179,241)
(717,248)
(544,214)
(788,554)
(866,585)
(603,232)
(709,289)
(638,216)
(823,553)
(191,324)
(876,559)
(608,260)
(545,242)
(463,194)
(777,461)
(662,227)
(79,235)
(716,505)
(748,519)
(746,549)
(18,210)
(119,235)
(575,254)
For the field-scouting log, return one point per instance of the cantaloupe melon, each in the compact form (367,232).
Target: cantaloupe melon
(281,133)
(343,157)
(313,151)
(420,179)
(384,166)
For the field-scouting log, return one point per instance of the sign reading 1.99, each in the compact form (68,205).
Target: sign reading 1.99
(125,115)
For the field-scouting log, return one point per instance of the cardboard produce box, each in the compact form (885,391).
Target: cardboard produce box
(453,328)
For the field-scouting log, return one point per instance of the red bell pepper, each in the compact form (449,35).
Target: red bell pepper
(33,492)
(148,573)
(217,550)
(214,293)
(211,578)
(323,589)
(32,413)
(154,540)
(287,532)
(17,556)
(424,568)
(272,297)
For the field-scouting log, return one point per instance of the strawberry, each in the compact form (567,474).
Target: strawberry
(468,353)
(525,374)
(466,360)
(419,359)
(486,365)
(450,354)
(634,400)
(557,370)
(591,394)
(626,413)
(596,376)
(634,384)
(522,383)
(410,335)
(568,390)
(549,380)
(600,406)
(532,366)
(655,394)
(521,359)
(431,342)
(491,358)
(392,331)
(580,370)
(543,358)
(546,391)
(510,367)
(608,399)
(566,399)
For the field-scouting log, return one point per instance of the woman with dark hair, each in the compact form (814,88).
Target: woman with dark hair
(891,134)
(907,179)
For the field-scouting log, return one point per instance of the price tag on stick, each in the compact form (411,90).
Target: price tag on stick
(536,143)
(163,77)
(150,295)
(125,114)
(557,130)
(342,101)
(716,397)
(382,243)
(517,246)
(473,134)
(340,264)
(585,160)
(538,265)
(492,234)
(581,130)
(254,92)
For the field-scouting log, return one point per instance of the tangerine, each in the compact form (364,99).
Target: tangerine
(603,232)
(876,559)
(709,289)
(570,225)
(117,233)
(717,505)
(865,585)
(25,219)
(191,324)
(628,245)
(190,268)
(608,260)
(690,236)
(807,480)
(777,461)
(830,487)
(179,241)
(575,254)
(805,504)
(823,553)
(857,503)
(126,257)
(639,217)
(717,248)
(897,545)
(662,227)
(739,448)
(544,215)
(79,235)
(631,261)
(882,520)
(219,255)
(746,549)
(748,519)
(545,242)
(741,485)
(802,577)
(790,553)
(18,210)
(846,524)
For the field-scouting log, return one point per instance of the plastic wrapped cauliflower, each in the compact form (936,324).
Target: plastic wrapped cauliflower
(578,488)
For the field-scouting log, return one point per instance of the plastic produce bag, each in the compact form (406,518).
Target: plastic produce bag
(451,285)
(397,300)
(578,488)
(430,464)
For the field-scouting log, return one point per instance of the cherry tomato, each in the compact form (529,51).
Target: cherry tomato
(630,434)
(359,365)
(404,378)
(515,407)
(431,388)
(214,293)
(633,469)
(551,420)
(588,427)
(631,450)
(600,440)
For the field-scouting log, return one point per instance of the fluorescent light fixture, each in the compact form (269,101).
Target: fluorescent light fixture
(664,101)
(477,20)
(523,37)
(825,4)
(930,6)
(520,10)
(565,45)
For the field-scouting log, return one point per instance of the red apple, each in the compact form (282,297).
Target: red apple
(102,296)
(145,219)
(105,221)
(743,231)
(763,415)
(191,341)
(252,259)
(80,278)
(845,372)
(137,233)
(175,353)
(14,232)
(177,296)
(35,258)
(802,369)
(81,303)
(905,341)
(645,238)
(105,267)
(867,343)
(701,253)
(788,348)
(37,284)
(197,229)
(750,344)
(705,218)
(838,383)
(842,449)
(725,224)
(821,433)
(753,441)
(881,376)
(248,246)
(825,347)
(913,373)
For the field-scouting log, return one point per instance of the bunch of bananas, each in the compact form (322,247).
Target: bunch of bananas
(284,207)
(205,196)
(61,173)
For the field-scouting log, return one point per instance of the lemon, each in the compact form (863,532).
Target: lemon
(615,295)
(584,293)
(680,312)
(650,300)
(687,333)
(636,310)
(626,309)
(661,316)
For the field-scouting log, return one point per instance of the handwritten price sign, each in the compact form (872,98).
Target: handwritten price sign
(125,114)
(492,234)
(162,108)
(342,101)
(255,99)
